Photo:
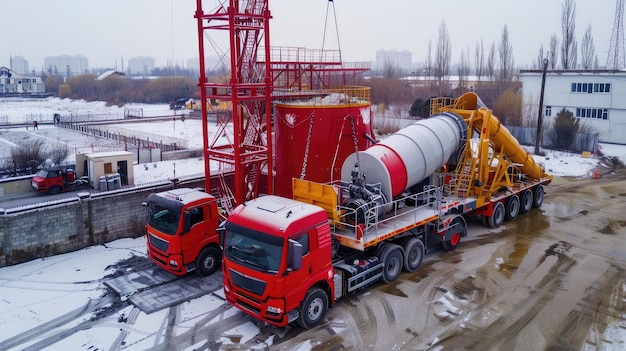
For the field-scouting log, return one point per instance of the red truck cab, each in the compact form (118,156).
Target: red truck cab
(277,254)
(54,180)
(181,231)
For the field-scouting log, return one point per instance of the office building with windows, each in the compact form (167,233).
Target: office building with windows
(596,97)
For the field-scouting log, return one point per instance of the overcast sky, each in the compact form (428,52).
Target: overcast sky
(107,31)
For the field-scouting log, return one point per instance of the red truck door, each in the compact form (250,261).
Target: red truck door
(200,231)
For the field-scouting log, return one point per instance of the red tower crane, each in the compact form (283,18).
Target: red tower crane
(239,104)
(240,101)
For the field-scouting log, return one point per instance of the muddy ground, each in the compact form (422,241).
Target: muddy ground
(553,279)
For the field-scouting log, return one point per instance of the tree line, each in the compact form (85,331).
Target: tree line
(119,90)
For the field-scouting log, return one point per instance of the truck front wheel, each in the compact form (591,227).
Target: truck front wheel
(208,261)
(313,308)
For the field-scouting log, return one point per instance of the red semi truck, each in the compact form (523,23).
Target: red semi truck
(181,231)
(286,260)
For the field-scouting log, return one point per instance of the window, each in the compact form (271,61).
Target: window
(548,112)
(597,113)
(196,215)
(304,241)
(590,88)
(108,168)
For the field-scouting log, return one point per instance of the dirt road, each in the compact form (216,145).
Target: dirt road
(553,279)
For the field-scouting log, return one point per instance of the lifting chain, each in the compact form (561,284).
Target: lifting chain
(356,144)
(307,146)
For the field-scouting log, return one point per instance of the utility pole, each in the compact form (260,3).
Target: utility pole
(540,115)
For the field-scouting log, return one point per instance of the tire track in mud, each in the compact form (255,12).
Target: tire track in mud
(466,330)
(206,329)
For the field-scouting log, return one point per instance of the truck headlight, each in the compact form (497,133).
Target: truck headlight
(173,263)
(274,310)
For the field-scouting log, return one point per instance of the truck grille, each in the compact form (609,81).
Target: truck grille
(158,243)
(250,284)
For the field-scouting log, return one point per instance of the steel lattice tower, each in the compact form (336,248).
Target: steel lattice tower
(616,59)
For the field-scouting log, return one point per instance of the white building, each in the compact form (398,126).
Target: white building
(596,97)
(15,84)
(140,66)
(19,64)
(66,65)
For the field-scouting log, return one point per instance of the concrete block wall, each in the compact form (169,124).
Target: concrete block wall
(91,220)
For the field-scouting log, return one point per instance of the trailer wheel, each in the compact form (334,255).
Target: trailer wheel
(313,308)
(483,220)
(455,239)
(526,202)
(512,208)
(413,254)
(54,190)
(208,261)
(497,216)
(392,259)
(538,198)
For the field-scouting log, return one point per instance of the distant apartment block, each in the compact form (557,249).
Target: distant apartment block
(19,64)
(66,65)
(399,59)
(16,84)
(140,66)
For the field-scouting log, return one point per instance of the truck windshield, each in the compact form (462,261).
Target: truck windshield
(256,250)
(163,219)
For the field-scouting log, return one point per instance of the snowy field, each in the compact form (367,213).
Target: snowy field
(39,291)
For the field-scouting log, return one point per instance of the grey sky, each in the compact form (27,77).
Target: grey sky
(106,31)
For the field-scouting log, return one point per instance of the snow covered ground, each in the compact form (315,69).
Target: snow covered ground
(42,290)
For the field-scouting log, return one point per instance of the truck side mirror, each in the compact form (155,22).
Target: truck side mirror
(186,221)
(295,255)
(221,231)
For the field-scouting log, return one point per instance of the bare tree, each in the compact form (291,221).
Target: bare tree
(442,54)
(587,50)
(539,63)
(429,58)
(58,154)
(479,59)
(491,63)
(553,53)
(464,68)
(505,50)
(568,27)
(390,70)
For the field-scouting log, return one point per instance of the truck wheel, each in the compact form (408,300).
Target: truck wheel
(391,257)
(455,239)
(208,261)
(497,216)
(526,201)
(54,190)
(313,308)
(538,198)
(512,208)
(413,254)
